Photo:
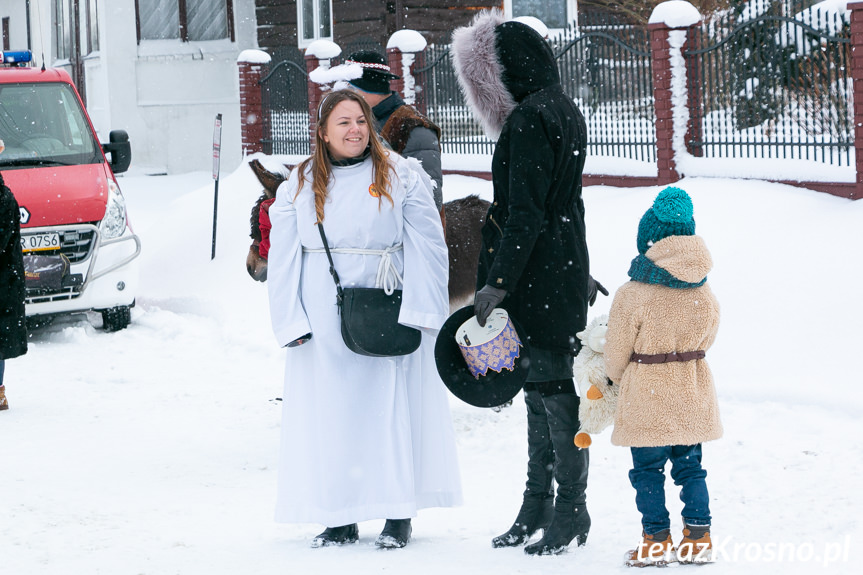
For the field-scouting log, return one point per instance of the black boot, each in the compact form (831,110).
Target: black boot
(396,534)
(337,536)
(537,506)
(571,520)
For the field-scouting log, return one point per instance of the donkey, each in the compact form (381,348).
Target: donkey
(256,263)
(463,222)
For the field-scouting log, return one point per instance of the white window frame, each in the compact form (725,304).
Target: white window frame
(183,24)
(571,9)
(304,42)
(63,30)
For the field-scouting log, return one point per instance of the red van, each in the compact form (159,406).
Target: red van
(79,249)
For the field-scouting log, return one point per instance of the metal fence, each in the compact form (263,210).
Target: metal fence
(772,87)
(604,67)
(443,102)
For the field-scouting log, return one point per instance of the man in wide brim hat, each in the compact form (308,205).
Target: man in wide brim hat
(407,131)
(376,76)
(489,390)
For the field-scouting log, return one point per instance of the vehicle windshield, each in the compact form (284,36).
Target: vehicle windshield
(42,124)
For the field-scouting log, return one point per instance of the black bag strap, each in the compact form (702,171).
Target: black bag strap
(339,291)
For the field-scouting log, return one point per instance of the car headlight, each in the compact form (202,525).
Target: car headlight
(114,223)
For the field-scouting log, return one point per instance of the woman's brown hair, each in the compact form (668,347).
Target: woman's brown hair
(322,169)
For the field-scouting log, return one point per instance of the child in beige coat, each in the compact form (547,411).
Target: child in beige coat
(660,326)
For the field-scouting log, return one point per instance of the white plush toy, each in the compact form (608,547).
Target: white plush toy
(598,395)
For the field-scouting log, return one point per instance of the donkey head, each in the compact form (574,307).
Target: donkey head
(256,264)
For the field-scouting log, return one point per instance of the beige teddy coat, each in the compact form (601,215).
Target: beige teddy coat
(667,403)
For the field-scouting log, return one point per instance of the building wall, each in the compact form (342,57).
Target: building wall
(376,20)
(16,11)
(357,20)
(277,23)
(165,93)
(436,20)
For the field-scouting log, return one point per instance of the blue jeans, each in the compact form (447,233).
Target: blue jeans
(2,369)
(648,479)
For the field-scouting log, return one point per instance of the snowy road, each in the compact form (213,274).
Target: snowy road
(153,450)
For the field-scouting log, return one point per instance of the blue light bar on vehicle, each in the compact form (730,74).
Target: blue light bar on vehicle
(16,58)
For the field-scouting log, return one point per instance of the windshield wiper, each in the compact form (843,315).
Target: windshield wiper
(11,163)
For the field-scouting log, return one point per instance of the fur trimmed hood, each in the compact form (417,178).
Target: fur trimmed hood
(498,63)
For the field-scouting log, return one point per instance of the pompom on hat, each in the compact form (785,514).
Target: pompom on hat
(670,215)
(376,72)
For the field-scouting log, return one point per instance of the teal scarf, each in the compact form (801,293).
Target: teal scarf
(645,271)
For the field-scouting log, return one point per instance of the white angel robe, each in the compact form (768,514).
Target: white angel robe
(362,437)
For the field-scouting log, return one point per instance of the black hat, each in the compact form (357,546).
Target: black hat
(376,72)
(488,390)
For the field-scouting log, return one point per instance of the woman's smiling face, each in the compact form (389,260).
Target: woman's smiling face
(346,131)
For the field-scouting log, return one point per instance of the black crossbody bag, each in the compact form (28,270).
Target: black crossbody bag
(370,318)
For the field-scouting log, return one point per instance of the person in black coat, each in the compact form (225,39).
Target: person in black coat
(13,330)
(534,259)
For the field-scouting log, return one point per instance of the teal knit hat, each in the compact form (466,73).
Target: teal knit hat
(670,215)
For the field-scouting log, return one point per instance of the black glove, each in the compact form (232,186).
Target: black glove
(300,340)
(485,301)
(594,286)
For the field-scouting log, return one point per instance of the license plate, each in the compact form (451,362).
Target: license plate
(40,242)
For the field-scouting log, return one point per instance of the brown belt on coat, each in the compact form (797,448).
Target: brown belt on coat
(667,357)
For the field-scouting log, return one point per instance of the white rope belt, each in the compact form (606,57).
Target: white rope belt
(388,276)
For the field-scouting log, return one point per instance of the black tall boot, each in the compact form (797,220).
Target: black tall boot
(571,520)
(537,505)
(396,534)
(343,535)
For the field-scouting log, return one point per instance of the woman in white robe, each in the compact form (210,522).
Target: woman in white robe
(362,437)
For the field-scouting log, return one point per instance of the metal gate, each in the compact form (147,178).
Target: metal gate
(285,101)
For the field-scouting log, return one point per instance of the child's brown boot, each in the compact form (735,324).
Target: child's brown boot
(3,403)
(696,546)
(655,549)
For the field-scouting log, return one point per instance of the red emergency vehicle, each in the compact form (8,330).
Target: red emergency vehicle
(79,249)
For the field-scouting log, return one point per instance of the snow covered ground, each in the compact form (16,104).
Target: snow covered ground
(153,450)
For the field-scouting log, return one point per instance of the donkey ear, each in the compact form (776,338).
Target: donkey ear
(268,179)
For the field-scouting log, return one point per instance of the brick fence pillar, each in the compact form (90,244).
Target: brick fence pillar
(857,77)
(662,101)
(405,49)
(394,59)
(319,54)
(253,65)
(675,128)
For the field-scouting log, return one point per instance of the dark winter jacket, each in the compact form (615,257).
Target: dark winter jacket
(13,331)
(411,135)
(534,243)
